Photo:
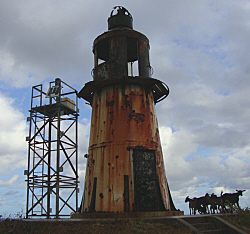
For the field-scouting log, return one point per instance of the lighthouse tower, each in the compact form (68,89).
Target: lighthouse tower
(125,169)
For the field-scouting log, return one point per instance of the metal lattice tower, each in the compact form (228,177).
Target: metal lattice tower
(52,174)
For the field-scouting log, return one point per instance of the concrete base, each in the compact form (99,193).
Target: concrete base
(125,215)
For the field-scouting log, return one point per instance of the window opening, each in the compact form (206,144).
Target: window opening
(133,68)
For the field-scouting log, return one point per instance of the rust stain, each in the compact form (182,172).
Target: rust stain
(132,129)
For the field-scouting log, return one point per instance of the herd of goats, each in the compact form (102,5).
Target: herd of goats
(218,204)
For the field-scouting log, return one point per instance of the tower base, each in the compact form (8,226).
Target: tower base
(126,215)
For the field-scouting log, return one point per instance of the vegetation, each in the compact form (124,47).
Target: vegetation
(17,225)
(105,227)
(240,218)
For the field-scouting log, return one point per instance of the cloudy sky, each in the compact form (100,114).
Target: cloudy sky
(200,49)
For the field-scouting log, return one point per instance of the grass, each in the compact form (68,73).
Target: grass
(16,225)
(240,218)
(19,226)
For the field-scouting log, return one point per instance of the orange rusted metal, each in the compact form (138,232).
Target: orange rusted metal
(125,169)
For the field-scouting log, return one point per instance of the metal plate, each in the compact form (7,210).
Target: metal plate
(145,181)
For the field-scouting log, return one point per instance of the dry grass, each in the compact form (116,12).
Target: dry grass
(104,227)
(241,219)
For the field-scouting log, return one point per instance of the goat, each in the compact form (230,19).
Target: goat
(192,205)
(212,203)
(232,198)
(216,203)
(202,204)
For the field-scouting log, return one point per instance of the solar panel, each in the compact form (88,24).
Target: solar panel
(53,92)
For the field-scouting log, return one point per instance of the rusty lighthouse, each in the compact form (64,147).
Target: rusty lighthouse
(125,169)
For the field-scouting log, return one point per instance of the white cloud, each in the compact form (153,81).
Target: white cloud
(12,135)
(9,182)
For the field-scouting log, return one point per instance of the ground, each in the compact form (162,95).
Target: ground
(104,227)
(119,226)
